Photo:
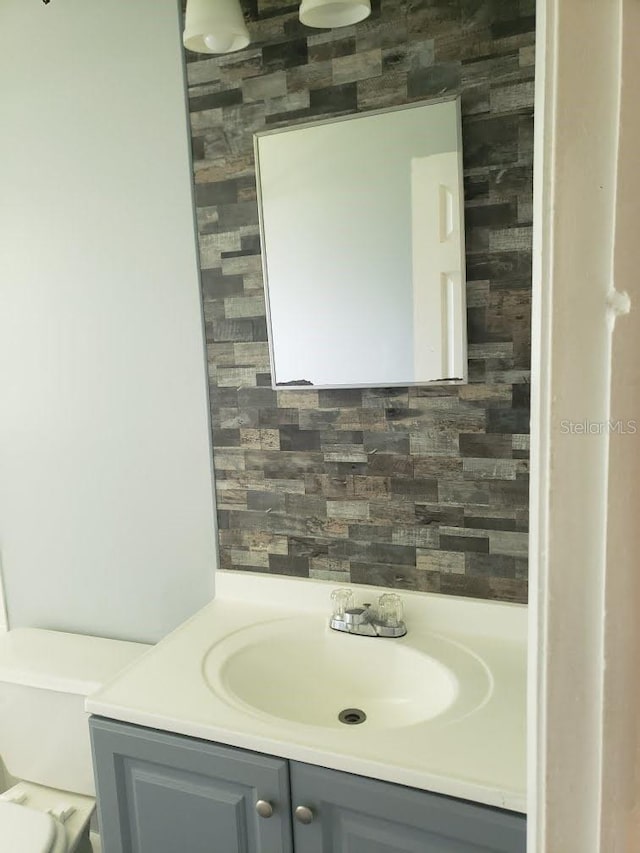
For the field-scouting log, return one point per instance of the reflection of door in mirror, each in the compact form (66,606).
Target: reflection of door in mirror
(438,341)
(363,248)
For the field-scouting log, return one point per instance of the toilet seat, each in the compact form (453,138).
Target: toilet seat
(27,830)
(37,819)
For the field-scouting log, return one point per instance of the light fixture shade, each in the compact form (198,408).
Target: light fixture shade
(214,26)
(327,14)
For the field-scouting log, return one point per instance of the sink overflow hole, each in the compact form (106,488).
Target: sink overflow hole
(352,716)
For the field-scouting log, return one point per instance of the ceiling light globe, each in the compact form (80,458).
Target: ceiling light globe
(219,42)
(328,14)
(215,26)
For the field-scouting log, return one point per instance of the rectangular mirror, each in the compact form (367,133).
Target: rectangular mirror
(363,248)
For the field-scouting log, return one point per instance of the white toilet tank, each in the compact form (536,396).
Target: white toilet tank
(44,679)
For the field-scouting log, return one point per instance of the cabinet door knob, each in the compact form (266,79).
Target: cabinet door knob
(303,814)
(264,808)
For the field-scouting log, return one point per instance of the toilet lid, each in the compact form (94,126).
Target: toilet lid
(26,830)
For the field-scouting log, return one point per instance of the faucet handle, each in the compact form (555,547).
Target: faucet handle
(342,600)
(390,610)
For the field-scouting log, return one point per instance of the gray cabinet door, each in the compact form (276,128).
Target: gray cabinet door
(352,814)
(164,793)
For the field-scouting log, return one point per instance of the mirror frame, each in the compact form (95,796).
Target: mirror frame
(464,379)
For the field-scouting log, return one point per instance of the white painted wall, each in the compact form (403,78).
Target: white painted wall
(106,507)
(584,725)
(620,783)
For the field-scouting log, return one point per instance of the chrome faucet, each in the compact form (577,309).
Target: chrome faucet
(385,621)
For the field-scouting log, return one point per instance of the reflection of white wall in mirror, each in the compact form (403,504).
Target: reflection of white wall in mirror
(334,284)
(438,303)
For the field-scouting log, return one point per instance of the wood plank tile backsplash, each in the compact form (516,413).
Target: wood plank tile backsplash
(415,488)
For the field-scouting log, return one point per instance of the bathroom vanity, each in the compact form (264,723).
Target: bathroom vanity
(162,793)
(231,735)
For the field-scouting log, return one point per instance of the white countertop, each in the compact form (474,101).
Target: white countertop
(478,756)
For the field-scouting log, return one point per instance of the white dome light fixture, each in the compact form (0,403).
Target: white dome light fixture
(214,26)
(326,14)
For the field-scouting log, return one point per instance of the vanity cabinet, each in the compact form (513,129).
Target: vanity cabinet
(352,814)
(166,793)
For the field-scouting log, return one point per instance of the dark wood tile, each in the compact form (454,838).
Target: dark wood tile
(390,486)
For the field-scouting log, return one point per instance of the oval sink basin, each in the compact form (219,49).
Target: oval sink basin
(297,669)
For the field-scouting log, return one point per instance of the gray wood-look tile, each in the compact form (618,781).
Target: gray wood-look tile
(421,488)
